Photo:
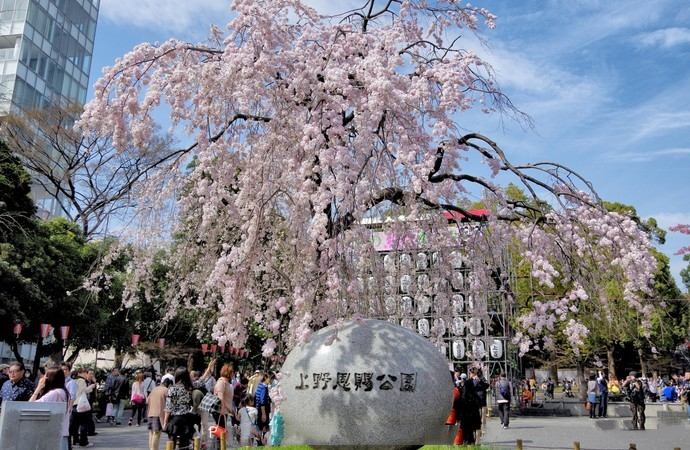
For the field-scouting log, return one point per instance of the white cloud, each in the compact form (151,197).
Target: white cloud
(180,17)
(647,155)
(668,219)
(666,38)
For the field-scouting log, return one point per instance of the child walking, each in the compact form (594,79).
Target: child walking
(248,415)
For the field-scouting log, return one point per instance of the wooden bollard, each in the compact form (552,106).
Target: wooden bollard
(633,447)
(576,446)
(197,443)
(519,444)
(223,440)
(170,445)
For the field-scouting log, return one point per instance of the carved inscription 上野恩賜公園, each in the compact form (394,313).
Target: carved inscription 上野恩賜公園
(364,381)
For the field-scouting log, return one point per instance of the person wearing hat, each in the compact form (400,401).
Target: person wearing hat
(3,374)
(634,390)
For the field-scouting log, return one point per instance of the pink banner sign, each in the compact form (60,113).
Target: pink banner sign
(161,343)
(135,339)
(64,332)
(17,328)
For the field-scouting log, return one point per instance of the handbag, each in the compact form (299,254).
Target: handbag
(588,406)
(216,431)
(138,399)
(109,409)
(83,405)
(210,403)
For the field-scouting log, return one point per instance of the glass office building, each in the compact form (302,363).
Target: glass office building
(45,59)
(45,51)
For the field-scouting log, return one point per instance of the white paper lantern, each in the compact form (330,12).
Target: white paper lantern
(496,349)
(459,349)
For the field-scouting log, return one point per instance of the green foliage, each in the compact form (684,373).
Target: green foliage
(17,210)
(685,273)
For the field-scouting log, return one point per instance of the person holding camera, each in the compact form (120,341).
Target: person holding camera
(635,393)
(603,393)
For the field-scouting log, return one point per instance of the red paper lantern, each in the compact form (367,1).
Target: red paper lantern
(161,343)
(17,329)
(64,332)
(214,347)
(45,329)
(135,339)
(204,348)
(241,352)
(221,349)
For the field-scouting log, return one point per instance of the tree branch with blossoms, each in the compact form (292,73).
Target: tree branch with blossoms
(308,132)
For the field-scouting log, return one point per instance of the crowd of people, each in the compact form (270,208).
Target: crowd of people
(181,404)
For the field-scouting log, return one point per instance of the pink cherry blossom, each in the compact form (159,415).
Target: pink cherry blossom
(307,131)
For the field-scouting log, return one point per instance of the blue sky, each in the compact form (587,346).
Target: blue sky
(606,82)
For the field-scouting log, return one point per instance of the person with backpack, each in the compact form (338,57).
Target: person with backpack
(116,389)
(635,393)
(503,394)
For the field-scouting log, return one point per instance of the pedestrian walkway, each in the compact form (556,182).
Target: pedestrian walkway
(123,438)
(536,433)
(592,434)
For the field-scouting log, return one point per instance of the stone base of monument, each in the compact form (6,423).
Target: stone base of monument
(368,383)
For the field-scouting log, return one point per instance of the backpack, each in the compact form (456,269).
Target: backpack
(504,389)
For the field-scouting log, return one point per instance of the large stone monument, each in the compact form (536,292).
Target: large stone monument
(376,383)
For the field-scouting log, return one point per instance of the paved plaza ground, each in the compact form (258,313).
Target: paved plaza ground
(535,433)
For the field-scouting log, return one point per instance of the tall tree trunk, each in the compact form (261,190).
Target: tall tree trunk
(553,367)
(611,361)
(581,378)
(56,352)
(15,350)
(73,357)
(37,357)
(643,363)
(119,356)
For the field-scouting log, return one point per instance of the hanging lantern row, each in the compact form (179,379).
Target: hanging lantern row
(241,352)
(277,358)
(44,330)
(137,337)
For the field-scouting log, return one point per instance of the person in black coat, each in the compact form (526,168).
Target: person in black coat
(468,406)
